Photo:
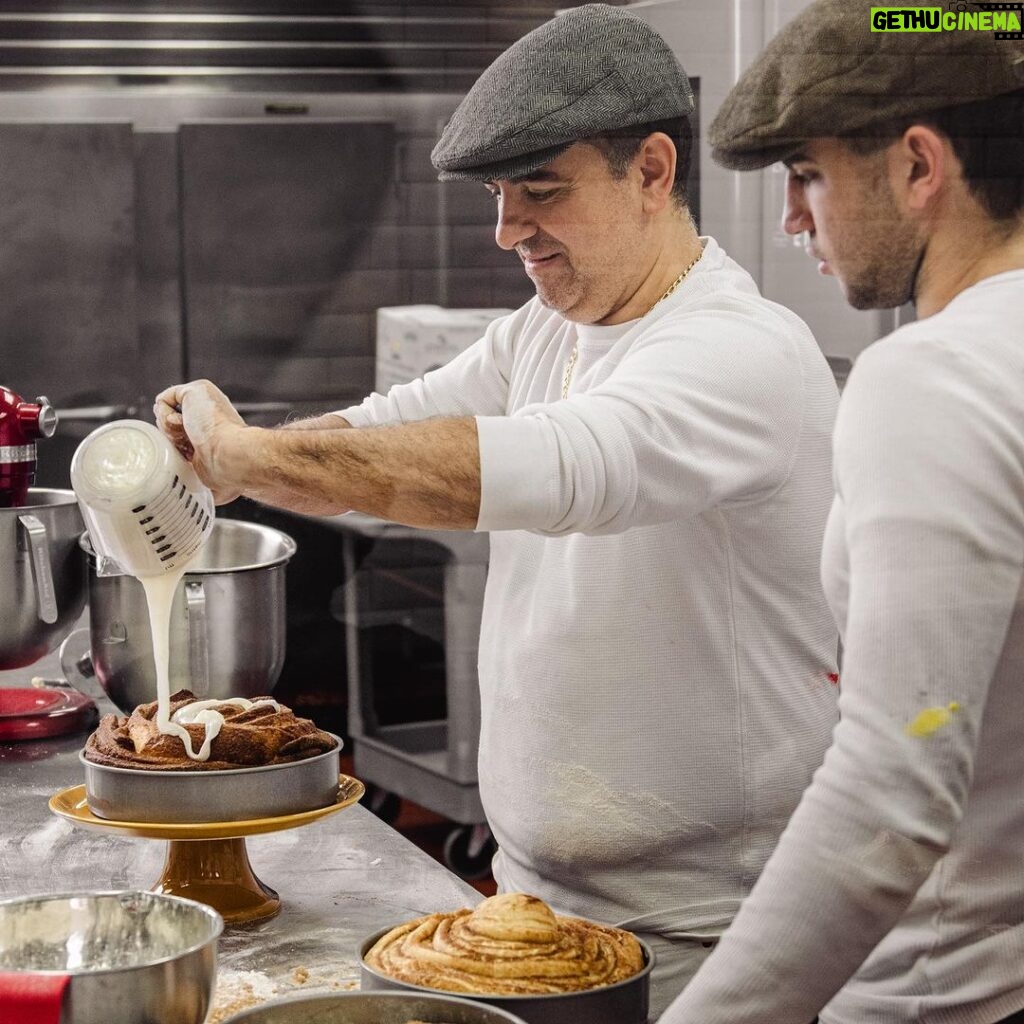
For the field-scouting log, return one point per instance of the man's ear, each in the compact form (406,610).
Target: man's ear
(924,164)
(656,162)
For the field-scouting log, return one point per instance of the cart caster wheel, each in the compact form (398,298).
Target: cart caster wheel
(468,851)
(387,806)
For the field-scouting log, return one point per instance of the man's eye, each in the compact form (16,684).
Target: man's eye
(802,177)
(540,195)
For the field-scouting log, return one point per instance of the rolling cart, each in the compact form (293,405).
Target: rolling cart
(428,583)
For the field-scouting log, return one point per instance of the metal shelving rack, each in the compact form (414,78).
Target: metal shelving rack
(432,763)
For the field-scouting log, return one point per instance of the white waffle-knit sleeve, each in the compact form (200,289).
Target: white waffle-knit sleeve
(929,475)
(706,408)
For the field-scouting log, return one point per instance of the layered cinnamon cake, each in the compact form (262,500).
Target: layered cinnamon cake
(223,734)
(512,944)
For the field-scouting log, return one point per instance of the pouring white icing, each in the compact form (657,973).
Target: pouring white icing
(195,711)
(117,464)
(159,598)
(203,712)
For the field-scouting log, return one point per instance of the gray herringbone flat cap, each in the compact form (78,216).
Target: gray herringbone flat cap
(826,73)
(592,69)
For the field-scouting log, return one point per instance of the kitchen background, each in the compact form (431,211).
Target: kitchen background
(231,189)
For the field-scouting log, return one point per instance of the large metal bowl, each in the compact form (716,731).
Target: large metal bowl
(44,575)
(129,956)
(626,1002)
(234,794)
(374,1008)
(227,633)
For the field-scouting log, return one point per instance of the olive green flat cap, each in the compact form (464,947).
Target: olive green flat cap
(592,69)
(827,73)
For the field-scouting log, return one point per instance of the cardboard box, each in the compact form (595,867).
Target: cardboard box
(411,340)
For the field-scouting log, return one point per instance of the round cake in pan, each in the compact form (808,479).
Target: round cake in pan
(512,944)
(264,762)
(254,733)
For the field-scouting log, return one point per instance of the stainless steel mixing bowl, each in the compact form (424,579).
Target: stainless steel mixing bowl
(43,590)
(374,1008)
(131,957)
(227,622)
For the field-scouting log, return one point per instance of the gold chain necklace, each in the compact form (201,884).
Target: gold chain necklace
(575,353)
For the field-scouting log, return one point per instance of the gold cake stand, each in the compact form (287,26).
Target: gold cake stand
(207,861)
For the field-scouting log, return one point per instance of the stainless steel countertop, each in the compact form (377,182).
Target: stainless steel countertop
(340,878)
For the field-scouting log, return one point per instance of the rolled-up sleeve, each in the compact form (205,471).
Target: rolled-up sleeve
(690,418)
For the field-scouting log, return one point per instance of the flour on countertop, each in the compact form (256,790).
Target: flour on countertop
(242,990)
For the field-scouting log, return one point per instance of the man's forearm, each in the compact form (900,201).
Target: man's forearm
(328,421)
(424,474)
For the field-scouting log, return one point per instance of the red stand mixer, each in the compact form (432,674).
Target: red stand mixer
(43,591)
(21,424)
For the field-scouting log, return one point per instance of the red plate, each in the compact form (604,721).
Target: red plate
(34,714)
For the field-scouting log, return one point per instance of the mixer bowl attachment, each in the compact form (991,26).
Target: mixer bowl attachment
(44,578)
(227,636)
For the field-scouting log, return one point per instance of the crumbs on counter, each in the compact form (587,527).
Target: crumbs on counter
(236,991)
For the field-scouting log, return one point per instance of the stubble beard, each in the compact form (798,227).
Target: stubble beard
(570,299)
(887,255)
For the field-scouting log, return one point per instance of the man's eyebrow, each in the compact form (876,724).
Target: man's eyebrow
(796,158)
(538,175)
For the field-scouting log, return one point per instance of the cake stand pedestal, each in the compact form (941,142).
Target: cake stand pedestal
(217,872)
(208,861)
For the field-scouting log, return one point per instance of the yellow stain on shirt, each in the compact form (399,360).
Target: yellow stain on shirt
(931,720)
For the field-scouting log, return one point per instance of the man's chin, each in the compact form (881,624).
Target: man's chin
(870,298)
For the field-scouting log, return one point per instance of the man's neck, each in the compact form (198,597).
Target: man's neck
(962,255)
(678,247)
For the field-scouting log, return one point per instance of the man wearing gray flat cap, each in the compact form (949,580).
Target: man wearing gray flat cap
(647,442)
(896,893)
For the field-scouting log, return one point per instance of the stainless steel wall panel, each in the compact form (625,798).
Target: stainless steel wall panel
(393,245)
(67,260)
(158,263)
(467,202)
(415,158)
(274,216)
(337,380)
(471,247)
(327,47)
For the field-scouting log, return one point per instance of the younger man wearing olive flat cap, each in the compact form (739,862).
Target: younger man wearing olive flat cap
(896,893)
(647,441)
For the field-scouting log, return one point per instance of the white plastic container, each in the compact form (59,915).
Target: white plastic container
(146,510)
(413,340)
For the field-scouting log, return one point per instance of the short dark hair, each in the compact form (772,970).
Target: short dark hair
(987,138)
(622,144)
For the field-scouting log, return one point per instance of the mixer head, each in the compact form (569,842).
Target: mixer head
(21,423)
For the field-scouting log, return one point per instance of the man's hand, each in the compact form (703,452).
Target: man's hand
(204,426)
(425,473)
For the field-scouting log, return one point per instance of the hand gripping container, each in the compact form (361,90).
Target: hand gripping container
(146,510)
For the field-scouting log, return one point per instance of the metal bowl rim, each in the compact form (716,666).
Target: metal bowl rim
(208,912)
(643,973)
(288,543)
(68,496)
(149,773)
(431,995)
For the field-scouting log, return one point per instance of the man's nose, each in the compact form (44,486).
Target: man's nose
(795,215)
(513,225)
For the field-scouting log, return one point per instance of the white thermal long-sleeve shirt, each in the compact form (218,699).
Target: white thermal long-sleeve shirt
(903,868)
(655,649)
